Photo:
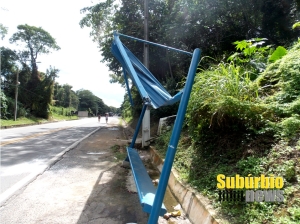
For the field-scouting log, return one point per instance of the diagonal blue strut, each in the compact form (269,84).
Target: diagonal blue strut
(169,159)
(138,126)
(136,79)
(154,94)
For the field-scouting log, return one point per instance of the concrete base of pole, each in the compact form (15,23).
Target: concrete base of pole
(146,128)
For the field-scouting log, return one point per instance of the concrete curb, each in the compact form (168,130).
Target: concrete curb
(31,177)
(196,206)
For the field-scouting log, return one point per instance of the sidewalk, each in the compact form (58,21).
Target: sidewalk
(86,185)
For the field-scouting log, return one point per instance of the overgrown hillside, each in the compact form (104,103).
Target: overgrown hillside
(244,118)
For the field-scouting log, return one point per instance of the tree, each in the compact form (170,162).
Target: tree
(3,105)
(211,25)
(87,100)
(64,96)
(37,41)
(186,24)
(8,61)
(40,86)
(39,101)
(3,31)
(101,106)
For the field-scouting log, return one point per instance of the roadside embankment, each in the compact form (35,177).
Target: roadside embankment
(197,207)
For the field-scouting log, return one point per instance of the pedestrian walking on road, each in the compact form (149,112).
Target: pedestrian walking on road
(99,117)
(106,117)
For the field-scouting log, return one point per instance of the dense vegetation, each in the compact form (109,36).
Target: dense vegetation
(236,125)
(244,112)
(186,24)
(243,116)
(38,92)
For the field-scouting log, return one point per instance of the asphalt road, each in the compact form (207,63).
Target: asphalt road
(28,151)
(85,185)
(70,172)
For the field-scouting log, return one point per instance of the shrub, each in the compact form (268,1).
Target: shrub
(281,80)
(3,101)
(223,96)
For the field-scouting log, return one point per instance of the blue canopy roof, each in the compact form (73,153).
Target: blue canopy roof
(151,90)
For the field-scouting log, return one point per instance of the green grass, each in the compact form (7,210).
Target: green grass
(34,120)
(199,164)
(128,119)
(62,117)
(56,114)
(236,125)
(22,121)
(119,152)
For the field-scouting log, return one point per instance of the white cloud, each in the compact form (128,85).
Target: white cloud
(79,58)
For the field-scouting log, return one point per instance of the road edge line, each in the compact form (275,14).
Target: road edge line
(6,195)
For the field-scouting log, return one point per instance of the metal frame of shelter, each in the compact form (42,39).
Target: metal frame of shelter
(153,94)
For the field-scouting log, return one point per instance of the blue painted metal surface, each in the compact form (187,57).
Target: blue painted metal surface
(144,185)
(136,131)
(151,91)
(118,49)
(169,159)
(138,126)
(154,94)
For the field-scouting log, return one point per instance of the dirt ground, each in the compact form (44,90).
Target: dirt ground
(87,185)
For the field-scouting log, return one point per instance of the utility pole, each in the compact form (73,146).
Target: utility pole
(16,94)
(146,119)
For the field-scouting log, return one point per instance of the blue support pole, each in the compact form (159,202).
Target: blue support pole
(138,126)
(164,177)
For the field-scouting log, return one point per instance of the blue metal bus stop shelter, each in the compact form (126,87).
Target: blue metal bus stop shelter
(155,95)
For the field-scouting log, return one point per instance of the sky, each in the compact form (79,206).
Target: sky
(79,58)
